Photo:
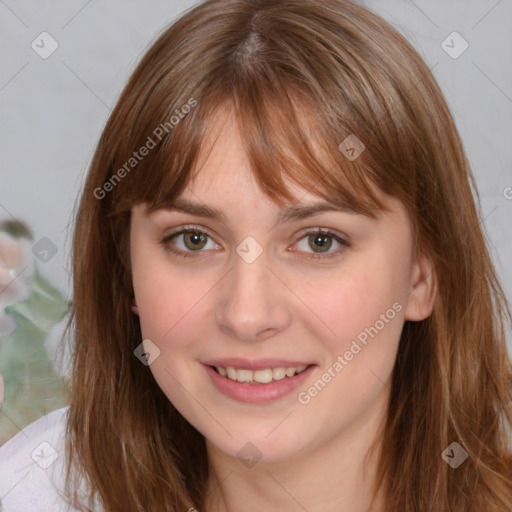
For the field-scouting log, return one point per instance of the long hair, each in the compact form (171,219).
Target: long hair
(300,76)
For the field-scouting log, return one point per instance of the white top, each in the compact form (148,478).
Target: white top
(32,467)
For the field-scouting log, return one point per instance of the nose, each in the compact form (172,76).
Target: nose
(252,302)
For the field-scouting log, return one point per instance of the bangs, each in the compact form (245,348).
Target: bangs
(285,138)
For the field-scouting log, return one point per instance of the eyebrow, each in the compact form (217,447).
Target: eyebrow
(287,214)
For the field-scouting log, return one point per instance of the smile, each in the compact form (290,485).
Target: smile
(265,382)
(263,376)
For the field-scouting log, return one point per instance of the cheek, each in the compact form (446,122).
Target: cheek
(354,300)
(364,313)
(167,302)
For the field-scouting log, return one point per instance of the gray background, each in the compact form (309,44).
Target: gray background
(52,110)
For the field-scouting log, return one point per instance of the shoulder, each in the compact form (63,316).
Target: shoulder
(32,467)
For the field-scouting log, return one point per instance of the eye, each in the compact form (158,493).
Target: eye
(194,239)
(320,241)
(188,240)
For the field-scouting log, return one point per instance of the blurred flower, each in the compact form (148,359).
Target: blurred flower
(13,263)
(30,307)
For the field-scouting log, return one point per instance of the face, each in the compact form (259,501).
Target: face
(303,314)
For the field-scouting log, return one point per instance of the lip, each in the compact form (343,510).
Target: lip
(255,364)
(257,393)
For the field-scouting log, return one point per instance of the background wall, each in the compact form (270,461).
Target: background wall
(53,105)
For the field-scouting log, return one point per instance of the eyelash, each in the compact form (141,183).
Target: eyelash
(197,229)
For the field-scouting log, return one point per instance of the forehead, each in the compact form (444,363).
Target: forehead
(222,161)
(223,165)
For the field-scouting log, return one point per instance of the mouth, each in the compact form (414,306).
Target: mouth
(257,381)
(261,376)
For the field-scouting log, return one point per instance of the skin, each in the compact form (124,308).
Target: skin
(287,305)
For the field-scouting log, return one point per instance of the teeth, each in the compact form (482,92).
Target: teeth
(279,373)
(261,376)
(244,375)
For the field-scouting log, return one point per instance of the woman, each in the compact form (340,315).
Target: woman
(283,297)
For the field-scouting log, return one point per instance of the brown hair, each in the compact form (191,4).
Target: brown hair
(300,76)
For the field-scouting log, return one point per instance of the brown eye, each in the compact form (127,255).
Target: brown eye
(189,241)
(321,242)
(194,240)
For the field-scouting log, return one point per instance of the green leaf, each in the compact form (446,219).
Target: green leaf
(44,307)
(32,388)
